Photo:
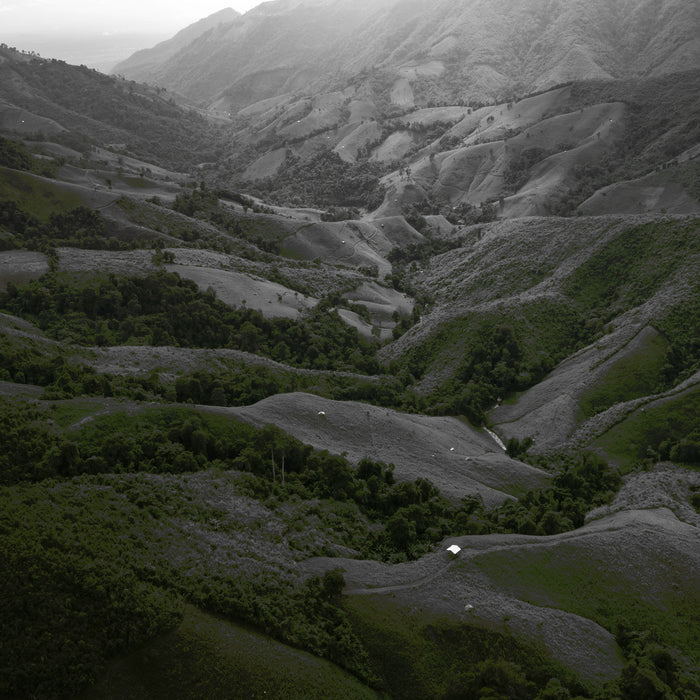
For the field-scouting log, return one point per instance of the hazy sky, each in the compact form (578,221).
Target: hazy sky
(116,16)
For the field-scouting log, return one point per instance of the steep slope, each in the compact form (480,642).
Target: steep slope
(614,298)
(440,51)
(143,64)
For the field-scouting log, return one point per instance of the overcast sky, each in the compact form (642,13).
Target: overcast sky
(117,16)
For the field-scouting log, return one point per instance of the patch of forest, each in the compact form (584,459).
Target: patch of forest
(324,180)
(164,309)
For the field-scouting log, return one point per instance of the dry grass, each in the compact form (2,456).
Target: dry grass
(457,458)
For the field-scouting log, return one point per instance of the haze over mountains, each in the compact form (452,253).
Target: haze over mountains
(473,49)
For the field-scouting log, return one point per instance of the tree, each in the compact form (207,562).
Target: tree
(401,532)
(332,584)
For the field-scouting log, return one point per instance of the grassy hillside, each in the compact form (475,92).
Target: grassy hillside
(38,196)
(643,609)
(98,108)
(206,655)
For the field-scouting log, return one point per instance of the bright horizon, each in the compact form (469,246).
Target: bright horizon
(75,17)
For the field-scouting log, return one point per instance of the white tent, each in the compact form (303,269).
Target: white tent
(454,549)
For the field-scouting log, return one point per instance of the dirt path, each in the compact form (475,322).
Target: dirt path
(399,587)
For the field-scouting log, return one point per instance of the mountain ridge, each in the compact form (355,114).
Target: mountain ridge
(488,49)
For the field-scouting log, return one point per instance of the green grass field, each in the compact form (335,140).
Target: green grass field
(207,657)
(668,419)
(633,375)
(38,196)
(586,579)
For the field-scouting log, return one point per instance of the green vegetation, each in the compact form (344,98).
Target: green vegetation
(420,252)
(105,109)
(13,154)
(100,564)
(79,227)
(206,656)
(496,354)
(137,517)
(652,621)
(33,198)
(204,204)
(163,309)
(581,484)
(419,655)
(630,267)
(518,171)
(654,430)
(324,180)
(632,376)
(168,539)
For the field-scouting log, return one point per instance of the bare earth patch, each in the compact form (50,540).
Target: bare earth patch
(458,459)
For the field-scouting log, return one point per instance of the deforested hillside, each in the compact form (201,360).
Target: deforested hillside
(440,51)
(610,302)
(384,385)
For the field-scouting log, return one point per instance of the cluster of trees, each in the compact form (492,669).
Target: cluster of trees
(95,569)
(413,515)
(583,482)
(163,309)
(518,170)
(80,227)
(651,670)
(14,154)
(63,377)
(493,366)
(325,180)
(203,203)
(422,252)
(686,450)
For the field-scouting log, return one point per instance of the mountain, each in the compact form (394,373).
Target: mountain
(144,64)
(42,97)
(260,368)
(476,50)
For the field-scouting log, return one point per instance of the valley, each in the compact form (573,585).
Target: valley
(259,328)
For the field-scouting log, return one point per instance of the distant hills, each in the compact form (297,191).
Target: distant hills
(445,51)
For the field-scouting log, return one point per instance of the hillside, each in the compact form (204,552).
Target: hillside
(48,97)
(144,64)
(439,51)
(259,370)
